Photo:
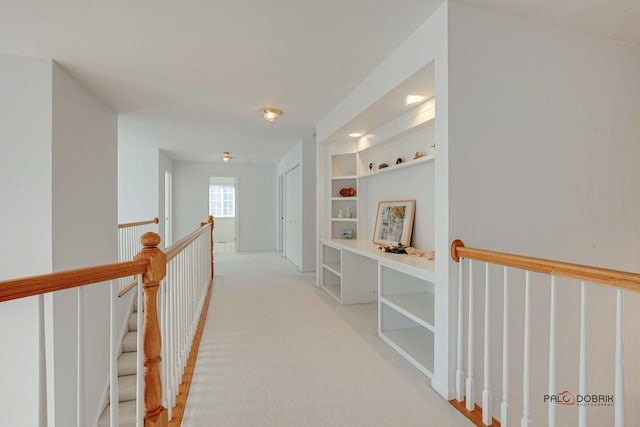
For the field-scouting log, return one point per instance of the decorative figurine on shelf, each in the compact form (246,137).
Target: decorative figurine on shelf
(383,165)
(399,160)
(399,248)
(370,167)
(418,155)
(348,192)
(340,214)
(418,253)
(349,215)
(395,249)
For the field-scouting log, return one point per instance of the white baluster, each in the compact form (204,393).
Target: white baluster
(619,369)
(504,406)
(552,353)
(470,392)
(174,311)
(487,418)
(582,381)
(80,364)
(113,360)
(139,357)
(459,371)
(163,364)
(526,384)
(42,363)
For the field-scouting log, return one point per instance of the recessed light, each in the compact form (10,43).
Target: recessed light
(355,134)
(414,99)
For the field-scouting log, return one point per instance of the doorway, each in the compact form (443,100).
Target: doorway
(223,197)
(292,205)
(281,199)
(168,207)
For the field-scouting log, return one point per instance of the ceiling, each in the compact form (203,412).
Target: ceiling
(613,19)
(190,77)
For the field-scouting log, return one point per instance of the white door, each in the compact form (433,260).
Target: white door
(292,216)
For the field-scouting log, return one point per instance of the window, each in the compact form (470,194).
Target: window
(222,201)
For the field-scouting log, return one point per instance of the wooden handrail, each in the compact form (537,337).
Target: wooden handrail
(614,278)
(134,224)
(177,247)
(36,285)
(129,287)
(173,251)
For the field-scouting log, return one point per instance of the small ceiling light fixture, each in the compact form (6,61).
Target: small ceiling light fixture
(226,157)
(414,99)
(355,134)
(270,114)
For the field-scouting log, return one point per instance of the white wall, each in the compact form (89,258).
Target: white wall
(25,227)
(309,211)
(84,204)
(58,166)
(138,182)
(256,203)
(543,162)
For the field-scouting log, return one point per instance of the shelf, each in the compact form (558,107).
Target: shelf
(335,178)
(417,306)
(415,344)
(345,198)
(333,290)
(333,267)
(345,219)
(410,163)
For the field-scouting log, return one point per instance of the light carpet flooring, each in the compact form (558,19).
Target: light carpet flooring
(277,351)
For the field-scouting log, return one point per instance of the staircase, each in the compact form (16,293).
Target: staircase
(126,376)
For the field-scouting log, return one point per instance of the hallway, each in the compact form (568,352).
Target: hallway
(277,351)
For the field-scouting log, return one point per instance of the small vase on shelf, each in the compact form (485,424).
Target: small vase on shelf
(349,215)
(340,214)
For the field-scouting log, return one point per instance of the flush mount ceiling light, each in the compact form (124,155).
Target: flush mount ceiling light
(355,134)
(226,157)
(270,114)
(414,99)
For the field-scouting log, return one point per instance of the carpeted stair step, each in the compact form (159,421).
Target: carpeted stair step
(126,388)
(126,412)
(127,364)
(129,342)
(133,322)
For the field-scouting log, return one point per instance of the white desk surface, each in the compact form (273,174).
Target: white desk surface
(416,266)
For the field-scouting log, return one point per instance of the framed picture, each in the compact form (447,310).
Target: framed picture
(394,222)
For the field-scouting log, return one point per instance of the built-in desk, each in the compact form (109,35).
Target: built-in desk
(356,271)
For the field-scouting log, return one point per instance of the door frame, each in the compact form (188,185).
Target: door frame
(236,225)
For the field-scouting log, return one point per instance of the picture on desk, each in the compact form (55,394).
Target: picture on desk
(394,222)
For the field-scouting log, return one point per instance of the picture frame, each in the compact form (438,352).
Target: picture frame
(394,222)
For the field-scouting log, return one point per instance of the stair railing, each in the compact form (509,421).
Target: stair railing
(183,298)
(466,387)
(129,241)
(170,308)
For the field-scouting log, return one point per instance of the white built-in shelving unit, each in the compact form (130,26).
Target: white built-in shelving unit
(344,169)
(355,270)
